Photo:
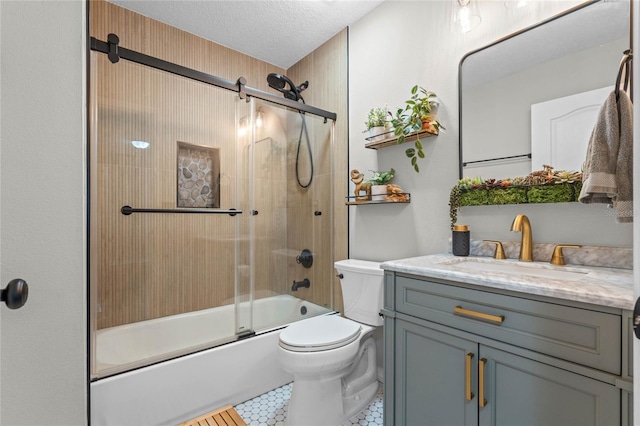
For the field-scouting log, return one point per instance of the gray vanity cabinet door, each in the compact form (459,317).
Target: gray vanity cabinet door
(519,391)
(431,369)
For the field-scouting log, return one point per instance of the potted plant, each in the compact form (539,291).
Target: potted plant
(379,183)
(377,123)
(418,114)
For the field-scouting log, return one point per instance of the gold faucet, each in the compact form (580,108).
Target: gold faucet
(558,257)
(521,224)
(499,252)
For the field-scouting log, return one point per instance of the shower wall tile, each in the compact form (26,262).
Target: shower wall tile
(150,266)
(326,70)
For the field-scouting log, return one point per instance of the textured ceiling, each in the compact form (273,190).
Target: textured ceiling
(280,32)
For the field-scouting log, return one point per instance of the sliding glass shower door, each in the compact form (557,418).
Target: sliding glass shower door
(205,212)
(164,186)
(290,199)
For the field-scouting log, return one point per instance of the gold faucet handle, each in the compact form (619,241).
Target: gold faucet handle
(499,253)
(558,257)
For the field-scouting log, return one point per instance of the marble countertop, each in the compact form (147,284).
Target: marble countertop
(610,287)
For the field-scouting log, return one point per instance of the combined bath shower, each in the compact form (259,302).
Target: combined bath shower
(289,90)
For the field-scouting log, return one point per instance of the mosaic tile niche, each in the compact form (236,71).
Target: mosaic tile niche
(198,176)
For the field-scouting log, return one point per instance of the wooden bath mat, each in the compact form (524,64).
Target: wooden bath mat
(225,416)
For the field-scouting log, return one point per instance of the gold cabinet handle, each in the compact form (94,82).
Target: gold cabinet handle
(481,365)
(459,310)
(468,394)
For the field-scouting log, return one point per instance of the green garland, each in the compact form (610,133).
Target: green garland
(555,188)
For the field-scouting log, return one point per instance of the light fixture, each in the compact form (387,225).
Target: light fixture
(140,144)
(467,17)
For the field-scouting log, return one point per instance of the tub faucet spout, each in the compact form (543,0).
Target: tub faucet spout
(521,223)
(297,284)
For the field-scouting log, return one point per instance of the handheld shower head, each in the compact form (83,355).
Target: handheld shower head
(279,82)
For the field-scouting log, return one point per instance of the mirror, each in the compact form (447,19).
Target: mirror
(573,57)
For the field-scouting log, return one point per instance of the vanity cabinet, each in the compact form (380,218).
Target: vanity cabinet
(456,354)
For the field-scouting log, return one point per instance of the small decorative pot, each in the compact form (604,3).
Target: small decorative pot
(378,192)
(427,122)
(377,133)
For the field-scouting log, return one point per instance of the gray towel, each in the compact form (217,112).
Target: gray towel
(608,169)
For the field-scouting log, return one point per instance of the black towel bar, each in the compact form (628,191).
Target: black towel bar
(497,159)
(127,210)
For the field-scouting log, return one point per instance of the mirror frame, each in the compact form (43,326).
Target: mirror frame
(510,36)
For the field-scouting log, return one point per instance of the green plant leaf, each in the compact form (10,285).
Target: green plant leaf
(418,144)
(417,169)
(400,139)
(420,153)
(414,89)
(414,161)
(410,152)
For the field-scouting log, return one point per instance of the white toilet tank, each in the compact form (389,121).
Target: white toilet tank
(362,282)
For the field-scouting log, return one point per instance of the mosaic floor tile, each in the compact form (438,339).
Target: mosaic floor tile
(271,408)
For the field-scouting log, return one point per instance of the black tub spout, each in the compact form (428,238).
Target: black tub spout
(297,284)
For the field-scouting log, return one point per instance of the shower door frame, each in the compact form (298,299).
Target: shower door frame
(114,52)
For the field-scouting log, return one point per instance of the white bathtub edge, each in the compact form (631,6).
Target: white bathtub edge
(178,390)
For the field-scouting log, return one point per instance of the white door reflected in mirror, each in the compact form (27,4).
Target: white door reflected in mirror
(561,128)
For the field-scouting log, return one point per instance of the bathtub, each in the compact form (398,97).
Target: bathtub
(173,391)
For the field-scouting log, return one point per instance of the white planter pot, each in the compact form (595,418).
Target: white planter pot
(378,192)
(378,133)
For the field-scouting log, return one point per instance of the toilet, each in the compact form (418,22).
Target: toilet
(333,359)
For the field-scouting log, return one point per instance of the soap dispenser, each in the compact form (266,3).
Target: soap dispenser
(460,241)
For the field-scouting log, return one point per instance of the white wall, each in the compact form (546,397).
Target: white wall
(403,43)
(42,81)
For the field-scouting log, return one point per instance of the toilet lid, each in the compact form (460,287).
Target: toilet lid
(319,334)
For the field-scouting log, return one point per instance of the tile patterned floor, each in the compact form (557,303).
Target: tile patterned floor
(271,409)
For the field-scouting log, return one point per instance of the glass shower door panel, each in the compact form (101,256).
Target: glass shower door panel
(244,281)
(292,189)
(164,280)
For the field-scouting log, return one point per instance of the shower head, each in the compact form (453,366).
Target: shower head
(279,82)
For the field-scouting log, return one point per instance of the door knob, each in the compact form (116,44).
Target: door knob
(636,318)
(15,294)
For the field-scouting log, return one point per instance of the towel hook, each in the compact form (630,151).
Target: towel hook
(626,69)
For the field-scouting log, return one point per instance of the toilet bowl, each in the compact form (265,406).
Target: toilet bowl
(333,359)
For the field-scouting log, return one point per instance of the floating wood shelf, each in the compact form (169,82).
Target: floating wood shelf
(351,201)
(393,139)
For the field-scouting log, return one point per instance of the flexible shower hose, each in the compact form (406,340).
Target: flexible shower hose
(306,133)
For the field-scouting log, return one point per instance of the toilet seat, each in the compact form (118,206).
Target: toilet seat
(319,334)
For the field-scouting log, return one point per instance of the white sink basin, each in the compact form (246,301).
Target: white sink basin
(533,269)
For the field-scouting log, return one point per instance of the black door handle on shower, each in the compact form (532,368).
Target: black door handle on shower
(15,294)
